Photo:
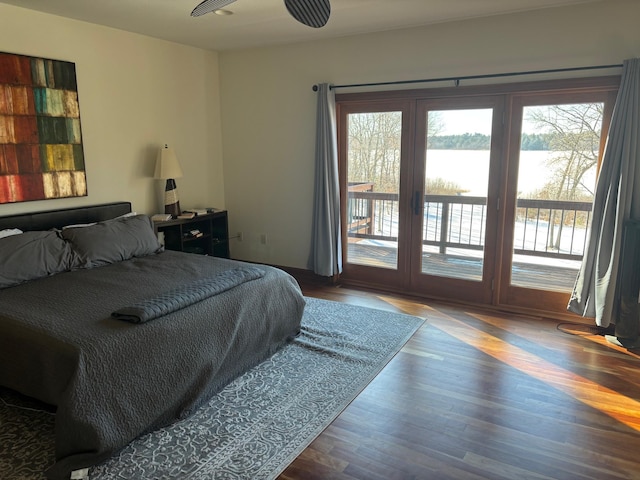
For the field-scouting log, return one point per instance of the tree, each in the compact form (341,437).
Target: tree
(375,147)
(573,131)
(440,186)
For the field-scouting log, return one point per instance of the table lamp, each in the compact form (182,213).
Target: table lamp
(167,167)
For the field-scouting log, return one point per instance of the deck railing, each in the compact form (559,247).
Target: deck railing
(546,228)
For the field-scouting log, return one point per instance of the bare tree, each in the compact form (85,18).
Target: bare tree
(375,147)
(575,141)
(440,186)
(435,126)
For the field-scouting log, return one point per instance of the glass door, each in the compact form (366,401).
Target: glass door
(558,146)
(456,177)
(375,144)
(373,188)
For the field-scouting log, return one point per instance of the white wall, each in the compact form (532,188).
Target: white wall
(268,106)
(135,94)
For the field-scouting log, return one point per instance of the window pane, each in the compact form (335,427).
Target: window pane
(456,183)
(373,175)
(556,183)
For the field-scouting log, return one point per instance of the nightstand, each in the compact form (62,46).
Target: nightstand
(206,234)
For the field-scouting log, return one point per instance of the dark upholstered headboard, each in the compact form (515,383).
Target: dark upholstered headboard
(68,216)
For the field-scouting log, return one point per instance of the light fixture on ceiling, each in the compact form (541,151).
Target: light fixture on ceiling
(313,13)
(210,6)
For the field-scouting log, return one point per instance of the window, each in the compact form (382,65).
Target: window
(481,190)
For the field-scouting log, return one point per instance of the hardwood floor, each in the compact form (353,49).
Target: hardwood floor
(483,395)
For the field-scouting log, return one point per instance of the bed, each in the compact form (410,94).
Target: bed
(122,337)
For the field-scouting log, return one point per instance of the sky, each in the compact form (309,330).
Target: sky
(477,120)
(457,122)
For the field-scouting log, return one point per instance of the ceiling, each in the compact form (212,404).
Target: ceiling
(257,23)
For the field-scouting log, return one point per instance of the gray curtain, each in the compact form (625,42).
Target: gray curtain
(617,199)
(326,237)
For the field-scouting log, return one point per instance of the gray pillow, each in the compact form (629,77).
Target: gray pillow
(112,241)
(32,255)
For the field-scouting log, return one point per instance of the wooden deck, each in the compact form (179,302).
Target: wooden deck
(527,275)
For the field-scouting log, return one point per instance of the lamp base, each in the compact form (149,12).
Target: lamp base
(171,202)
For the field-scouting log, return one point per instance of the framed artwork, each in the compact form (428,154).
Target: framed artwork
(41,155)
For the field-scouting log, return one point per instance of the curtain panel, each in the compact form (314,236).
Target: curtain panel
(617,200)
(326,249)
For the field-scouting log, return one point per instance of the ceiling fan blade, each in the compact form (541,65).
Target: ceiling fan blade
(313,13)
(210,6)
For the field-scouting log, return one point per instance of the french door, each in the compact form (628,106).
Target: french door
(416,214)
(376,145)
(455,195)
(478,195)
(549,194)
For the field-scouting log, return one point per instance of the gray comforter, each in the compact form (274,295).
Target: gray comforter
(113,380)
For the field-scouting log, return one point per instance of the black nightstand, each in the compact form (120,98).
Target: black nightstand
(212,239)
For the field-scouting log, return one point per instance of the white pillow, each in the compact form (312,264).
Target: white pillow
(10,231)
(78,225)
(126,215)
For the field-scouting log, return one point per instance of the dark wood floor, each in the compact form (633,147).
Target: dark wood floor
(478,395)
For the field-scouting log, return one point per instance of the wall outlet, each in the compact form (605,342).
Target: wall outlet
(239,236)
(263,238)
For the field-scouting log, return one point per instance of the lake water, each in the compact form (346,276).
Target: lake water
(470,170)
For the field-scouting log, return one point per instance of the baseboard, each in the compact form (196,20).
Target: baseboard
(510,309)
(308,277)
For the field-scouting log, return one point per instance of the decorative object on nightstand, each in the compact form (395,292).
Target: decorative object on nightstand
(161,217)
(168,168)
(196,211)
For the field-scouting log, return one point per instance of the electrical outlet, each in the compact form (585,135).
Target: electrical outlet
(239,236)
(263,238)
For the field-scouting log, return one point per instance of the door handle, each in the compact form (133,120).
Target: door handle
(416,202)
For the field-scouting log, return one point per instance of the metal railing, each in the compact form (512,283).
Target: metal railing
(546,228)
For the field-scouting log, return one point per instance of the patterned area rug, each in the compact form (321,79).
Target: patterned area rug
(253,428)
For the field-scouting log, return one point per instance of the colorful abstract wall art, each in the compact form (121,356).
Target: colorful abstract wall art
(41,155)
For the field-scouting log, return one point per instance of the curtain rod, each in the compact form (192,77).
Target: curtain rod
(472,77)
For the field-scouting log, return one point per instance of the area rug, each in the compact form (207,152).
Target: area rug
(256,426)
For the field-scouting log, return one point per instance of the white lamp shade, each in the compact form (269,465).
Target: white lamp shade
(167,165)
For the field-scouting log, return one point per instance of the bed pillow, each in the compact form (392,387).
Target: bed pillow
(78,225)
(112,241)
(32,255)
(10,231)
